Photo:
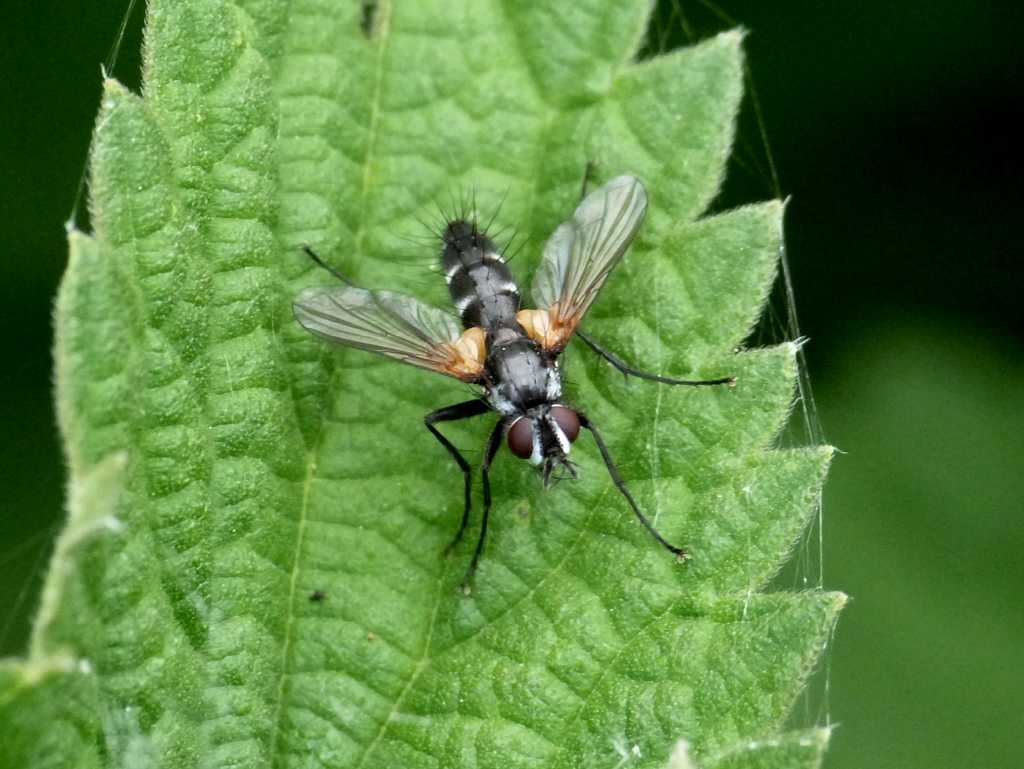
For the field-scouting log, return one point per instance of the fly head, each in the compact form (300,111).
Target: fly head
(544,435)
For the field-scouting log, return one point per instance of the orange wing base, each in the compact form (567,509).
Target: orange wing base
(546,327)
(466,355)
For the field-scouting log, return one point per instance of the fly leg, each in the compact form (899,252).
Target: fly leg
(628,370)
(493,444)
(620,484)
(321,263)
(587,173)
(464,410)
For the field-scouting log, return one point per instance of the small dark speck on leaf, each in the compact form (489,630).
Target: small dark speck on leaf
(523,509)
(317,596)
(368,17)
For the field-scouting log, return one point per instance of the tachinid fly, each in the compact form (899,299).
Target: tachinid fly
(510,352)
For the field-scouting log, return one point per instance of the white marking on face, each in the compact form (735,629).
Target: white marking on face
(493,256)
(563,441)
(450,275)
(537,456)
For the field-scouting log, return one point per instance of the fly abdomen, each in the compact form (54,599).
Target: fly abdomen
(479,281)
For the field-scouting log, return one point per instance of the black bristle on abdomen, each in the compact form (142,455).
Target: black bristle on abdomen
(462,235)
(479,282)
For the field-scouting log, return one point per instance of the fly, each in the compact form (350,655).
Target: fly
(510,352)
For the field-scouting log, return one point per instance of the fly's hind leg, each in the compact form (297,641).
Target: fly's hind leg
(464,410)
(628,370)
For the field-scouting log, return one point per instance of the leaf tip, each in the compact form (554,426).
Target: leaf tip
(835,602)
(115,94)
(731,42)
(114,91)
(827,452)
(794,346)
(776,209)
(733,37)
(821,735)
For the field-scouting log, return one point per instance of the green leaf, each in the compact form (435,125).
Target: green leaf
(240,465)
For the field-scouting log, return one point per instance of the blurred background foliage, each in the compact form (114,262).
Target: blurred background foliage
(895,129)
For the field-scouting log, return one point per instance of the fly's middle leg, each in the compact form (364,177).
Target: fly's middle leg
(628,370)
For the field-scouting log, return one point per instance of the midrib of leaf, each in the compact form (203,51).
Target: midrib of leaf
(421,665)
(380,41)
(382,37)
(292,592)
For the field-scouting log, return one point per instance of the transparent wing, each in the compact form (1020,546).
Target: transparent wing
(582,252)
(391,324)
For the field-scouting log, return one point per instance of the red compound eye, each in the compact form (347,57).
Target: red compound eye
(520,438)
(567,421)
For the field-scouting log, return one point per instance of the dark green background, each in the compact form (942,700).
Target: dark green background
(896,129)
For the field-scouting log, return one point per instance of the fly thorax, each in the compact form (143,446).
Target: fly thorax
(519,374)
(510,397)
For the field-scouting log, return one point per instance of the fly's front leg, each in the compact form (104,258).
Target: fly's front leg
(628,370)
(493,444)
(464,410)
(620,484)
